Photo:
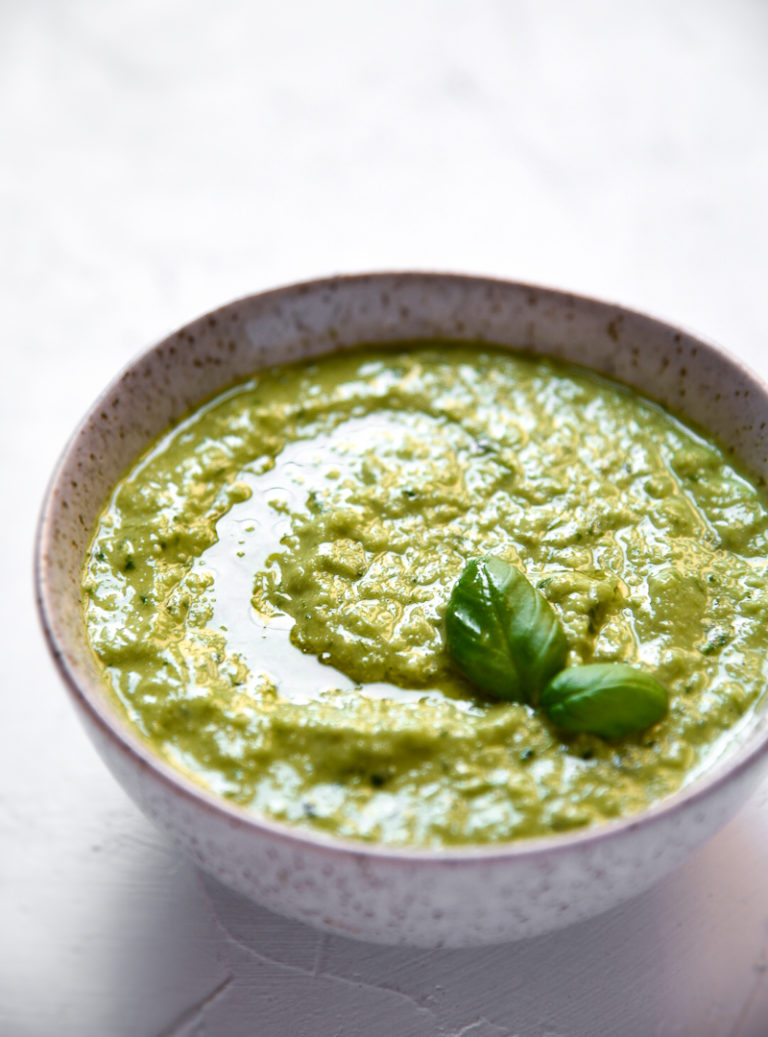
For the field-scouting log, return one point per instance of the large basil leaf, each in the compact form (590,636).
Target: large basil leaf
(607,699)
(502,633)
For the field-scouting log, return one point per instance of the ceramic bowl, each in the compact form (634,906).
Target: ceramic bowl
(448,897)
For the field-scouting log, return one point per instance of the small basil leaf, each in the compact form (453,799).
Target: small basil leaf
(606,699)
(501,633)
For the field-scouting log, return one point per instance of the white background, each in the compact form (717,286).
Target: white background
(160,158)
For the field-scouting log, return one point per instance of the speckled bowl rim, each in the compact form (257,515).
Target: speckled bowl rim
(92,700)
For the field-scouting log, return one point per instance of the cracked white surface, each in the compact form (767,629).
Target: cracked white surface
(158,159)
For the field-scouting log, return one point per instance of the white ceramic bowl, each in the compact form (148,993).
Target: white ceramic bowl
(449,897)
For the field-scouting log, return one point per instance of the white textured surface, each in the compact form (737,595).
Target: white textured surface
(158,159)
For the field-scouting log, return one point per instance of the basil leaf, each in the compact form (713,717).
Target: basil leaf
(502,633)
(607,699)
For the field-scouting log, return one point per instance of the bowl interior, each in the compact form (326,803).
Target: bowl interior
(690,377)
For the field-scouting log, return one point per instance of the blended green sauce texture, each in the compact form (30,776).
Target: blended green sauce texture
(266,587)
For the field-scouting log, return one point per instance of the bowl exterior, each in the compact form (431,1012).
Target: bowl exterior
(422,898)
(431,900)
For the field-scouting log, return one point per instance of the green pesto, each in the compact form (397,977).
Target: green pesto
(266,588)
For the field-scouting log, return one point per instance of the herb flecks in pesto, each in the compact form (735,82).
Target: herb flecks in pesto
(330,507)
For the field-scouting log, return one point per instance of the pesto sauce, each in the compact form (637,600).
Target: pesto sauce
(266,587)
